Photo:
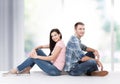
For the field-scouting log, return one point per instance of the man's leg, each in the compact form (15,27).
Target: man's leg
(83,68)
(95,73)
(88,68)
(90,54)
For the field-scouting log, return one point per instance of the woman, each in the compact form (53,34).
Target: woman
(52,64)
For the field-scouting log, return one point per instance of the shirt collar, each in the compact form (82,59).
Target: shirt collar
(77,36)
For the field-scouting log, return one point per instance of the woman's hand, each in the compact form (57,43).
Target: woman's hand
(33,54)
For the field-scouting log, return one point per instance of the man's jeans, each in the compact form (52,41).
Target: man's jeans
(84,68)
(46,66)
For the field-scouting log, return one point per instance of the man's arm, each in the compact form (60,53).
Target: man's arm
(95,52)
(86,58)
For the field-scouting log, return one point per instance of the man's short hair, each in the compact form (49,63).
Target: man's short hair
(78,23)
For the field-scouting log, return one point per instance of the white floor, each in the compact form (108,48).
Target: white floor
(39,77)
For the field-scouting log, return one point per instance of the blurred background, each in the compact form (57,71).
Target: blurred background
(25,24)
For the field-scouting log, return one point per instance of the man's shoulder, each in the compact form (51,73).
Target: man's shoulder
(72,39)
(71,44)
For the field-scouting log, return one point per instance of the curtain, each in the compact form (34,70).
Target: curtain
(11,33)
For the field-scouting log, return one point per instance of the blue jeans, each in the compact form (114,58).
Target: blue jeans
(84,68)
(46,66)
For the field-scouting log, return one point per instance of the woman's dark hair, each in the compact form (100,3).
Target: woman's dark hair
(52,43)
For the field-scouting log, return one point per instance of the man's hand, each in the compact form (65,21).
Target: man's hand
(96,54)
(85,58)
(99,64)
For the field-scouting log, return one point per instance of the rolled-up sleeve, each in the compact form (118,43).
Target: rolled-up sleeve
(83,47)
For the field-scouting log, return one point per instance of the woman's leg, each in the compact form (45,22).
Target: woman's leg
(47,67)
(21,67)
(40,52)
(27,69)
(29,63)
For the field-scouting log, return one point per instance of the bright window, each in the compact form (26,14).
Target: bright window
(100,17)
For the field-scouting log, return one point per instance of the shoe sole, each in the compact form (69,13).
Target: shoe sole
(99,73)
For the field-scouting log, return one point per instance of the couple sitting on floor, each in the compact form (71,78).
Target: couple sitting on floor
(70,58)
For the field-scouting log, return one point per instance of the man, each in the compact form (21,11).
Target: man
(78,63)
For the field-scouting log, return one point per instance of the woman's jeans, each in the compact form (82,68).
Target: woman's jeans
(84,68)
(46,66)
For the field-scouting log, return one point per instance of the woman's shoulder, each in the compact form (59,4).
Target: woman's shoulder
(61,42)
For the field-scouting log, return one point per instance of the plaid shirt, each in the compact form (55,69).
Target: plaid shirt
(74,52)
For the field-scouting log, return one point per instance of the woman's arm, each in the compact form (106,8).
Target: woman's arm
(33,52)
(41,47)
(52,57)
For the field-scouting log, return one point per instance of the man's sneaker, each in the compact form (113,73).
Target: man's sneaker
(99,73)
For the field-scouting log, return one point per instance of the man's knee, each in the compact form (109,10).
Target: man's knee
(92,62)
(90,54)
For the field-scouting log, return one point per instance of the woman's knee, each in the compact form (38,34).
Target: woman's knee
(29,59)
(40,52)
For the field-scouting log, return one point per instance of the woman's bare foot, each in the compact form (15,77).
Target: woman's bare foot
(11,72)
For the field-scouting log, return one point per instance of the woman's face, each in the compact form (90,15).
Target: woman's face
(55,36)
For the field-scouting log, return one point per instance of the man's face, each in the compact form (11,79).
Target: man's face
(80,30)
